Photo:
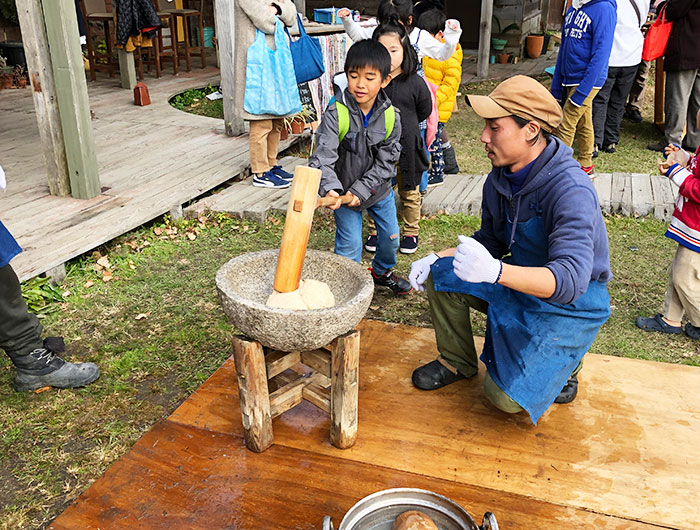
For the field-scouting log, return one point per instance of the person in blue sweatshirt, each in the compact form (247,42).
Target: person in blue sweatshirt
(538,266)
(582,69)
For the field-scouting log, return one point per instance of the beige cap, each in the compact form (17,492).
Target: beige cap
(521,96)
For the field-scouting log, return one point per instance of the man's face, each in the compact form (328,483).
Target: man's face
(505,141)
(364,84)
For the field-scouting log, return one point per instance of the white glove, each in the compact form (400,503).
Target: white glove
(420,270)
(474,264)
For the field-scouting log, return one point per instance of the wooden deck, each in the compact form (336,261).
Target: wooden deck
(623,455)
(150,159)
(625,193)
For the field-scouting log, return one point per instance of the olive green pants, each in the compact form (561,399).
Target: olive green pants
(450,313)
(20,331)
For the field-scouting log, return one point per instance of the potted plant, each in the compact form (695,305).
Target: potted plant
(6,77)
(534,44)
(498,44)
(502,58)
(20,76)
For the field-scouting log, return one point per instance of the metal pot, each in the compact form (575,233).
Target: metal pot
(379,510)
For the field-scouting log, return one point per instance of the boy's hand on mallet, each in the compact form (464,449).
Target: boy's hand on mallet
(337,203)
(355,200)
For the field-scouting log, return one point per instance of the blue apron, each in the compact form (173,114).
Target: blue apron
(8,246)
(532,346)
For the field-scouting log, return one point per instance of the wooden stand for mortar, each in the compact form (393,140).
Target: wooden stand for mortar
(271,382)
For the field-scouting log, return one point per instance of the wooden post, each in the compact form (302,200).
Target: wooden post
(544,20)
(127,70)
(345,363)
(297,227)
(36,50)
(482,62)
(225,28)
(253,393)
(72,96)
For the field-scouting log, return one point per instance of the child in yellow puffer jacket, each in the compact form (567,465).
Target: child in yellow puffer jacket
(446,75)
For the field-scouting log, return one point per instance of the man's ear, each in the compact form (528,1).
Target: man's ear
(386,80)
(533,129)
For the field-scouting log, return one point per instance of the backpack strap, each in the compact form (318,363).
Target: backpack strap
(344,119)
(389,121)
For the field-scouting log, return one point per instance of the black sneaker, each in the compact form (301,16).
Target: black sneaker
(657,146)
(633,115)
(610,148)
(692,331)
(568,393)
(42,367)
(392,281)
(451,167)
(434,375)
(435,180)
(409,244)
(595,151)
(371,243)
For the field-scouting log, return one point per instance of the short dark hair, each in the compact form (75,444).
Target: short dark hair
(421,6)
(410,58)
(432,21)
(401,8)
(368,53)
(522,122)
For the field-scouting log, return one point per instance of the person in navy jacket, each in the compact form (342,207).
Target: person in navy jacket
(582,69)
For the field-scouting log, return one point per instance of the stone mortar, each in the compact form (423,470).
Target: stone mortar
(245,282)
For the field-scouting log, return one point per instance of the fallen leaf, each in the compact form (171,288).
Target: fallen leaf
(42,389)
(133,245)
(374,307)
(65,294)
(141,316)
(107,276)
(191,236)
(104,262)
(88,284)
(157,230)
(131,265)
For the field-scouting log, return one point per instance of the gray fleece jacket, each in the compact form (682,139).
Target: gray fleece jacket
(364,162)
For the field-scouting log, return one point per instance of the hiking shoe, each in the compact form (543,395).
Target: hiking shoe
(435,180)
(371,243)
(393,281)
(595,151)
(656,323)
(568,393)
(269,180)
(409,244)
(448,153)
(692,331)
(281,173)
(42,367)
(610,148)
(657,146)
(434,375)
(633,115)
(588,170)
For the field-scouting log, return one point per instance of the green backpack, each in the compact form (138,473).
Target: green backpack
(344,120)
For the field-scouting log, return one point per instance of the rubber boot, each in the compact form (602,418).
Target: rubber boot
(42,367)
(451,167)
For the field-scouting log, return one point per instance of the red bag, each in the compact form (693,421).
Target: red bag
(657,37)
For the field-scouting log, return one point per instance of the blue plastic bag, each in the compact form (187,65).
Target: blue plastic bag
(269,86)
(306,55)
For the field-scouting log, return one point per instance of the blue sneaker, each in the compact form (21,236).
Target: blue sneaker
(281,173)
(269,180)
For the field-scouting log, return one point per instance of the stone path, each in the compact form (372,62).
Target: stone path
(631,194)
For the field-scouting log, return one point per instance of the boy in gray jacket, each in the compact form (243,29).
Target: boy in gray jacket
(357,151)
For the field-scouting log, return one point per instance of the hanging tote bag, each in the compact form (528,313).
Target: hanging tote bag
(657,37)
(306,55)
(269,87)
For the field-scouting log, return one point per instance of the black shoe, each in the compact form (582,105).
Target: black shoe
(633,115)
(393,282)
(692,331)
(595,151)
(434,375)
(610,148)
(42,367)
(409,244)
(656,323)
(371,243)
(451,167)
(657,146)
(434,180)
(568,393)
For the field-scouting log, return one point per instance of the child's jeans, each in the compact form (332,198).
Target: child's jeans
(424,177)
(683,292)
(348,233)
(437,160)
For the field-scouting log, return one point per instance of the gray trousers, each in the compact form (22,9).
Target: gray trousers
(639,86)
(609,104)
(20,331)
(681,108)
